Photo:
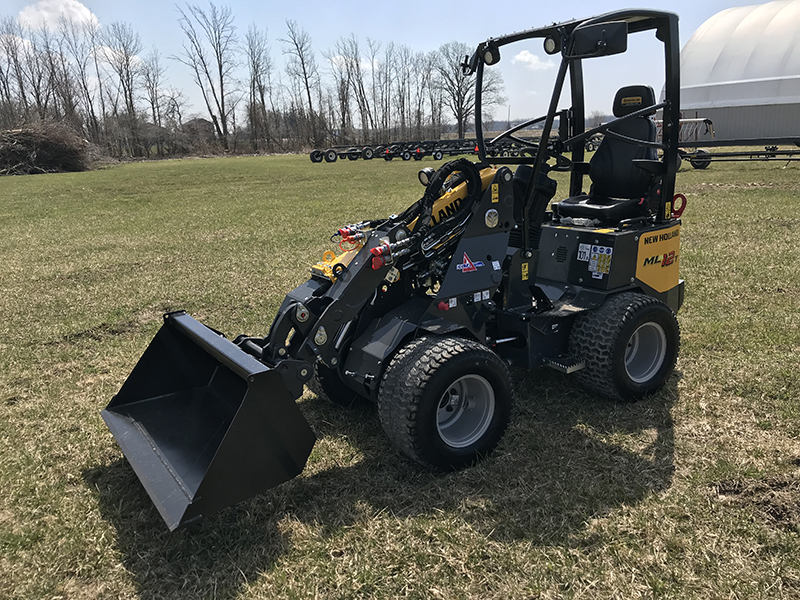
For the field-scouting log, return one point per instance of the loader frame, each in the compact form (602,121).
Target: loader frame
(422,312)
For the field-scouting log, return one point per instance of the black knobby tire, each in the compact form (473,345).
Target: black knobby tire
(328,384)
(331,156)
(367,154)
(316,156)
(445,402)
(438,155)
(629,344)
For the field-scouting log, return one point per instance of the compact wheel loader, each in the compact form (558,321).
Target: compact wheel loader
(422,312)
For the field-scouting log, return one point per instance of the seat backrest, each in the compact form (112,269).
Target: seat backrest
(611,169)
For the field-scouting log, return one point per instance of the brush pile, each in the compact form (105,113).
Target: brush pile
(42,148)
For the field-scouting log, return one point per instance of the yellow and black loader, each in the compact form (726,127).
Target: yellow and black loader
(423,312)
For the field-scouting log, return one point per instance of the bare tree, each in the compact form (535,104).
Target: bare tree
(349,54)
(382,85)
(66,94)
(35,72)
(302,70)
(210,51)
(174,105)
(152,75)
(121,50)
(12,81)
(75,43)
(339,111)
(596,118)
(260,68)
(458,90)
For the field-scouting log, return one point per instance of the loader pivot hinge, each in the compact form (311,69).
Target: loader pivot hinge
(565,364)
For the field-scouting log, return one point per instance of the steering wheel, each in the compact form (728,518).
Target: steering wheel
(508,133)
(531,148)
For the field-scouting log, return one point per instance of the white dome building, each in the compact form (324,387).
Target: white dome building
(741,69)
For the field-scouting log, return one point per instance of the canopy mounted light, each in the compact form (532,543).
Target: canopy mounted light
(425,175)
(552,44)
(491,55)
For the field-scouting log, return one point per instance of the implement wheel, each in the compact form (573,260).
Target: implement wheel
(445,402)
(629,344)
(700,159)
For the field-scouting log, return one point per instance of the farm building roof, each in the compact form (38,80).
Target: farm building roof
(744,56)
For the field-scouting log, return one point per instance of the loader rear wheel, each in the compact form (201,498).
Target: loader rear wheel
(445,402)
(629,344)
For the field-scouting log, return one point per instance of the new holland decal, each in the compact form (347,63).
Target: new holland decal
(658,259)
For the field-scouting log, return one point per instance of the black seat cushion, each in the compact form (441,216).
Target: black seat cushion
(605,210)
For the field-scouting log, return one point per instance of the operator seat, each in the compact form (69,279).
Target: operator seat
(619,186)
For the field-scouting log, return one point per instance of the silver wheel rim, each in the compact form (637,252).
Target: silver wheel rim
(465,411)
(646,351)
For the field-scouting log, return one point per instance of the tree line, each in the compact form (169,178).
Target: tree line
(97,80)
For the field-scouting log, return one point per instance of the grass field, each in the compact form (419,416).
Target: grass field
(693,493)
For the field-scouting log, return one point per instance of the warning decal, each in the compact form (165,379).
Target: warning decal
(600,261)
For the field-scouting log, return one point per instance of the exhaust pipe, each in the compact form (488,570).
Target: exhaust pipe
(204,424)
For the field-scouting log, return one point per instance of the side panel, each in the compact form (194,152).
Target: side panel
(657,263)
(607,259)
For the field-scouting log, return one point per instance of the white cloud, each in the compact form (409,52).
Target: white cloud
(532,62)
(46,13)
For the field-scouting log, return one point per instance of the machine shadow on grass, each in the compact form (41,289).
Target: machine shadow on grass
(566,458)
(212,559)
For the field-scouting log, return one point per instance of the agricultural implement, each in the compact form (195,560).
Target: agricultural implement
(436,149)
(423,311)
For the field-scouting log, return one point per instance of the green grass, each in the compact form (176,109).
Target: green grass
(692,493)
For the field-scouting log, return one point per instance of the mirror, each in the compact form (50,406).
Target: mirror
(602,39)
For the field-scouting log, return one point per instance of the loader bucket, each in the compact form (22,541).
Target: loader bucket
(204,424)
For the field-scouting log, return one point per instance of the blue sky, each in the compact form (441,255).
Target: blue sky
(421,25)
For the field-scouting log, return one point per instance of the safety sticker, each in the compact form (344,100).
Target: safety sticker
(583,252)
(476,297)
(485,295)
(600,261)
(496,265)
(453,302)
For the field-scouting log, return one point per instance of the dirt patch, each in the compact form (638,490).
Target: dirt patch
(103,331)
(777,500)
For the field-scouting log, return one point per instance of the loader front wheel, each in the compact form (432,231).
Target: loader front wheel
(328,384)
(445,402)
(629,344)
